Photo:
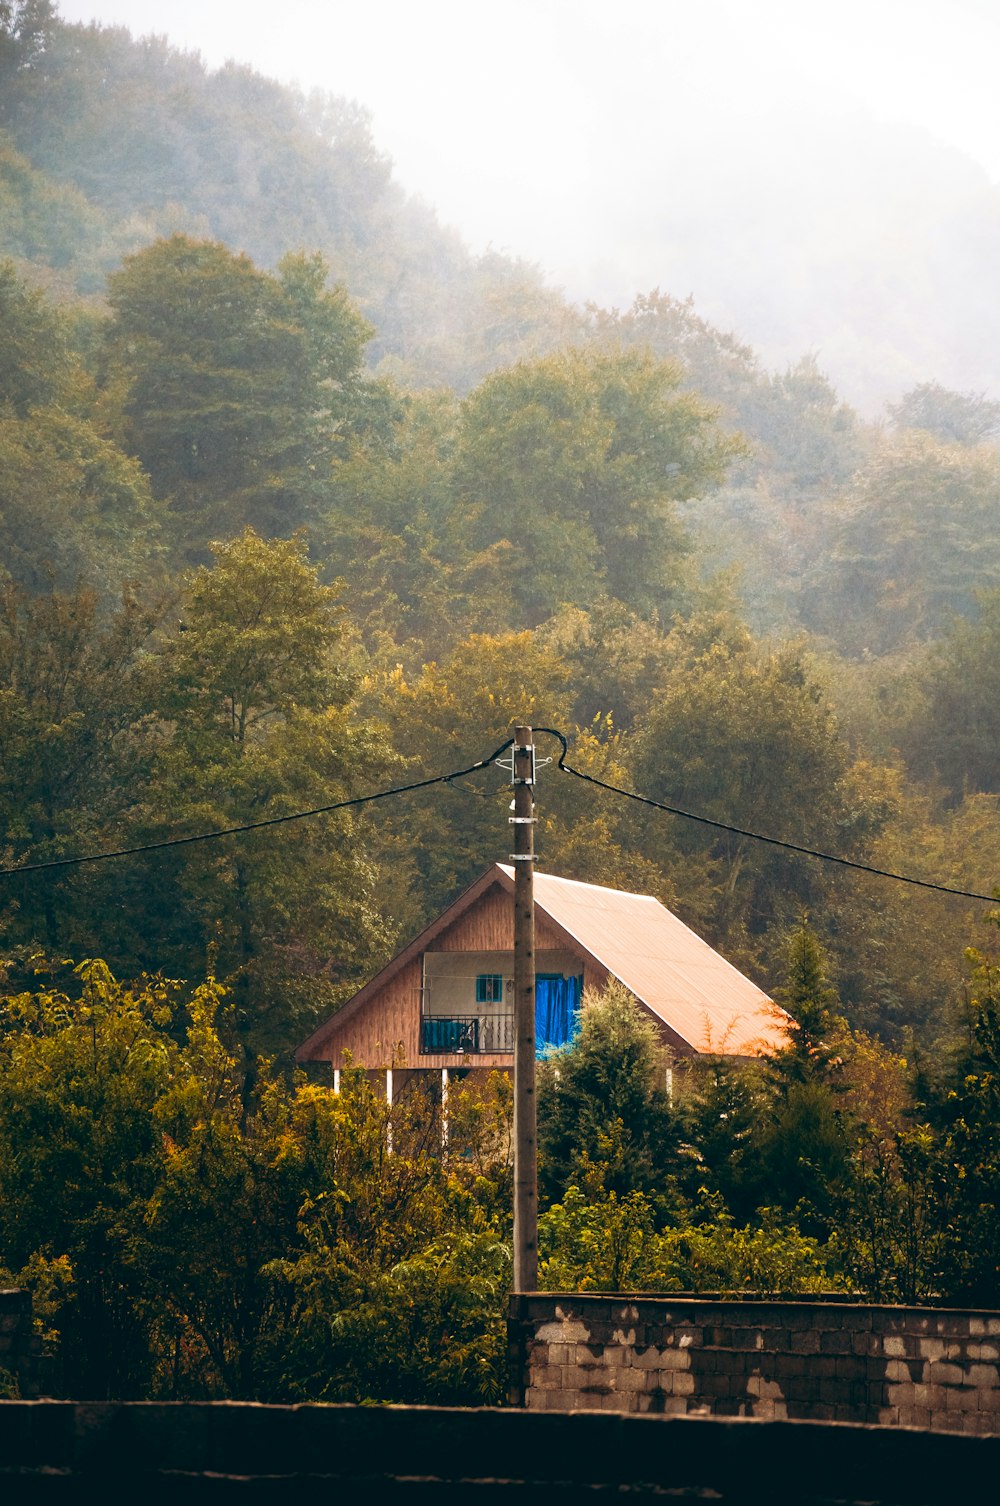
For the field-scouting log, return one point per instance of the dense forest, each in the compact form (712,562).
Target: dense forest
(299,501)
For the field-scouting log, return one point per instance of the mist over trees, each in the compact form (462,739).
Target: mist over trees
(299,500)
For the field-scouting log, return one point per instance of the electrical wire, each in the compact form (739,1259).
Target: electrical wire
(756,836)
(473,768)
(232,831)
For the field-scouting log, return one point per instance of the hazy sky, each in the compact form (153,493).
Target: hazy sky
(518,120)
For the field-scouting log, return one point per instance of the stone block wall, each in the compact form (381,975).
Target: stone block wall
(821,1361)
(20,1349)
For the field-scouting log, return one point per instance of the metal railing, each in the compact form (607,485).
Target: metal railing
(468,1034)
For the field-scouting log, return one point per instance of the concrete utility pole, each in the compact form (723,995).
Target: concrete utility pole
(525,1115)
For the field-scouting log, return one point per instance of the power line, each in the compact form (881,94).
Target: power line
(482,763)
(756,836)
(232,831)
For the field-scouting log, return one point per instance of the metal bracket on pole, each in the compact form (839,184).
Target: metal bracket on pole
(536,764)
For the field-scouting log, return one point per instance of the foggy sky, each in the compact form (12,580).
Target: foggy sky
(631,145)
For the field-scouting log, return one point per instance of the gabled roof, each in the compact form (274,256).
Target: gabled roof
(697,994)
(704,1002)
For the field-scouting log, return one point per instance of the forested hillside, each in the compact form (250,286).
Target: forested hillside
(298,501)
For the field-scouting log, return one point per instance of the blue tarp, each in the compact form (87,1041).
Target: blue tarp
(557,1008)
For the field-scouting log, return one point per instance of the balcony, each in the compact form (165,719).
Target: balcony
(466,1034)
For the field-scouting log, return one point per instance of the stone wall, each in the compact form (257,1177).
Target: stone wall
(823,1361)
(75,1454)
(20,1350)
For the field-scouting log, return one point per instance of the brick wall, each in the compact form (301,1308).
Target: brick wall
(823,1361)
(20,1350)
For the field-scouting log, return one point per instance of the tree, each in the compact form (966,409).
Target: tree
(967,418)
(255,684)
(34,354)
(26,28)
(392,533)
(747,738)
(807,996)
(241,384)
(577,461)
(444,717)
(968,1161)
(954,736)
(604,1116)
(81,1069)
(184,1242)
(74,509)
(75,703)
(911,544)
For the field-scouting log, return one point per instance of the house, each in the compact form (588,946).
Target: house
(446,1001)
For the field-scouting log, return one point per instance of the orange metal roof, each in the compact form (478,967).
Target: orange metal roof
(677,975)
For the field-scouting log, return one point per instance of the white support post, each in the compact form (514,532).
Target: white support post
(444,1108)
(336,1079)
(388,1102)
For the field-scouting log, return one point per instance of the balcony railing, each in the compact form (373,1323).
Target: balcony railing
(468,1034)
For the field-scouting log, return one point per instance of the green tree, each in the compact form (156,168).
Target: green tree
(954,736)
(26,28)
(256,686)
(80,1073)
(812,1003)
(242,385)
(953,417)
(186,1242)
(77,739)
(604,1115)
(73,507)
(910,545)
(34,354)
(748,738)
(444,717)
(577,461)
(968,1161)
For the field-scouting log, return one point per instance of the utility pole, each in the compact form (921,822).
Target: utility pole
(525,1115)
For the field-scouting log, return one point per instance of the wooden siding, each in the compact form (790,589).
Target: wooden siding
(386,1032)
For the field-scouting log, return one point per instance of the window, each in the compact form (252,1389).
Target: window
(489,988)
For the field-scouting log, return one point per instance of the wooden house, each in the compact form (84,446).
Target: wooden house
(446,1001)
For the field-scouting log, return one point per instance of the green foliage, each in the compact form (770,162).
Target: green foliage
(74,707)
(184,1240)
(615,1244)
(255,685)
(577,461)
(809,999)
(604,1117)
(911,545)
(955,734)
(239,383)
(81,1073)
(747,738)
(968,1166)
(445,717)
(953,417)
(34,358)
